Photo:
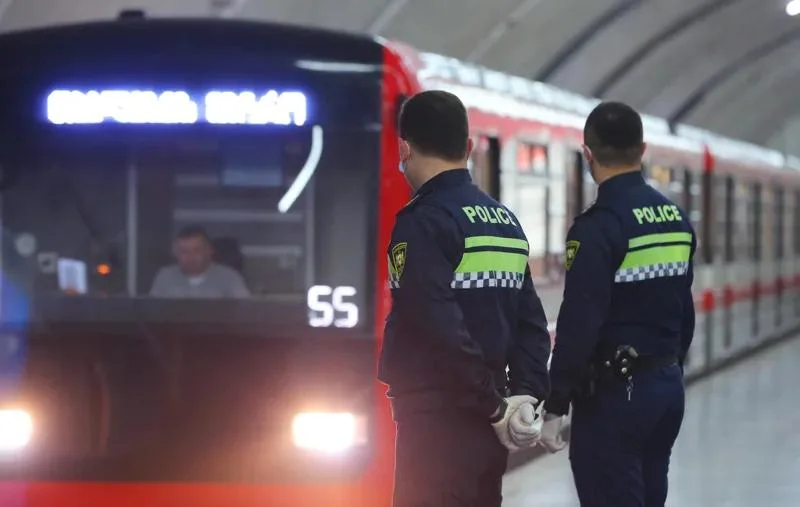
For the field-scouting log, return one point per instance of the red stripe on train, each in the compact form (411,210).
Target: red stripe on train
(711,299)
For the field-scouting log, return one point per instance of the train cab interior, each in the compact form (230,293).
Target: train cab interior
(111,220)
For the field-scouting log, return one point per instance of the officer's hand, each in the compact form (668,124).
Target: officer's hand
(525,425)
(501,427)
(551,433)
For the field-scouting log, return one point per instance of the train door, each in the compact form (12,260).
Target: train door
(705,200)
(758,250)
(679,185)
(779,219)
(582,188)
(484,165)
(534,186)
(730,256)
(768,263)
(796,251)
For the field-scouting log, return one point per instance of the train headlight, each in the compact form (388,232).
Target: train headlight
(16,430)
(330,432)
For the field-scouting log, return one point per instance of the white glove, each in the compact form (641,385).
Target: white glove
(551,433)
(525,425)
(501,427)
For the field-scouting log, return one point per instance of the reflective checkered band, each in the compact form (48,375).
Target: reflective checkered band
(640,273)
(479,280)
(483,279)
(394,282)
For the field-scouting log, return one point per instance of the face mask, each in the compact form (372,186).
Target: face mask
(401,166)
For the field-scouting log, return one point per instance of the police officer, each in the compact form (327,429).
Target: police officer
(463,309)
(625,325)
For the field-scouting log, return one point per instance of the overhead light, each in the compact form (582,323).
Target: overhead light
(793,8)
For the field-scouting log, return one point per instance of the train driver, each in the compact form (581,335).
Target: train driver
(195,275)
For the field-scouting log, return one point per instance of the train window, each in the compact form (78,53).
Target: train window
(728,244)
(557,212)
(767,225)
(484,165)
(686,198)
(695,209)
(779,207)
(796,224)
(742,221)
(789,210)
(668,181)
(532,159)
(756,222)
(276,237)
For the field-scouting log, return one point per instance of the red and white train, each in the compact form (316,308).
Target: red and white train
(281,142)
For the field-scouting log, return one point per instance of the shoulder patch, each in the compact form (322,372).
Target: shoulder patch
(570,253)
(398,258)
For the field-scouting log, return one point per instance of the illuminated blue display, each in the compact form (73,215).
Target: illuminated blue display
(65,107)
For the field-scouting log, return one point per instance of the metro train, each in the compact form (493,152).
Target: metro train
(281,142)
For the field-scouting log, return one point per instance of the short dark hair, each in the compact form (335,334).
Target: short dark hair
(193,231)
(435,123)
(614,134)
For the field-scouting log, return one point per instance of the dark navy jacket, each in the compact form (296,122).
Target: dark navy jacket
(463,304)
(628,282)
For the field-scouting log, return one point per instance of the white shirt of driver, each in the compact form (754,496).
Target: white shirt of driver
(217,282)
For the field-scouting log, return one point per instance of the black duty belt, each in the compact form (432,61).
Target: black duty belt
(649,363)
(626,362)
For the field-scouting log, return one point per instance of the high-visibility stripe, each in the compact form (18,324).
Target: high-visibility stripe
(490,264)
(495,241)
(656,255)
(660,238)
(474,262)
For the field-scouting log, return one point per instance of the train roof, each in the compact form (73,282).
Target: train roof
(492,91)
(733,149)
(331,43)
(513,96)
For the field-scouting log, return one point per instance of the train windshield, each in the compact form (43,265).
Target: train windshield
(188,244)
(269,230)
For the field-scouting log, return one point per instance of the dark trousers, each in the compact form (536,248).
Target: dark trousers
(620,449)
(448,460)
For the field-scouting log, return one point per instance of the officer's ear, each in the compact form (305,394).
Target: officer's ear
(470,147)
(405,150)
(644,148)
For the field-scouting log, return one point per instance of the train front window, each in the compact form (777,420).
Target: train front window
(275,228)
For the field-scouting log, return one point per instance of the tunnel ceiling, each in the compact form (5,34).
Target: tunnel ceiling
(726,65)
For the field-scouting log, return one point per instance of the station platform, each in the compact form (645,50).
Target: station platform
(739,444)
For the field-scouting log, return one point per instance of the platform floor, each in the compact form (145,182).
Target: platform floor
(739,444)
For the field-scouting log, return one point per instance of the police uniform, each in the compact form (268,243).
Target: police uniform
(463,308)
(627,294)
